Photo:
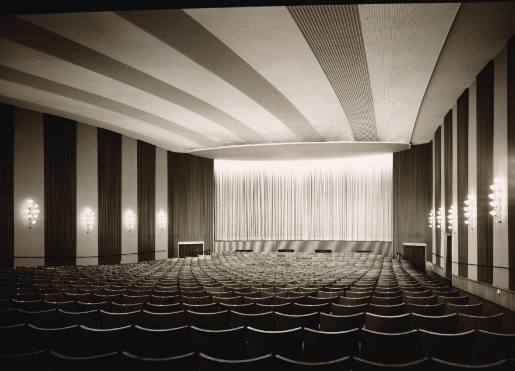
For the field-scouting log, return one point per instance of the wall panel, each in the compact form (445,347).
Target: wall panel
(6,185)
(190,200)
(438,191)
(484,105)
(511,158)
(462,180)
(129,199)
(472,178)
(109,196)
(412,192)
(146,201)
(447,187)
(161,203)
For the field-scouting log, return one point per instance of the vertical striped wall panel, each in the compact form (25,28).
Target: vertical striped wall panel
(60,141)
(447,186)
(438,189)
(412,193)
(146,201)
(6,185)
(484,149)
(511,162)
(462,179)
(109,196)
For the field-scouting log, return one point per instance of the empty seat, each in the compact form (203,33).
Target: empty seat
(196,300)
(31,305)
(115,320)
(427,310)
(441,365)
(201,308)
(13,339)
(228,300)
(240,308)
(163,308)
(453,299)
(389,347)
(283,308)
(83,307)
(287,364)
(262,300)
(60,339)
(211,321)
(360,364)
(208,363)
(291,321)
(491,346)
(386,300)
(331,322)
(183,362)
(64,305)
(442,324)
(471,309)
(158,321)
(98,362)
(24,361)
(287,343)
(135,299)
(299,308)
(44,318)
(358,294)
(9,317)
(325,346)
(423,293)
(225,344)
(261,321)
(126,308)
(163,300)
(345,310)
(387,310)
(449,347)
(89,318)
(489,323)
(97,341)
(321,300)
(151,343)
(421,300)
(393,324)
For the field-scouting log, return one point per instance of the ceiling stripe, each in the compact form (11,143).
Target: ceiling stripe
(36,82)
(402,43)
(38,38)
(334,34)
(268,39)
(183,33)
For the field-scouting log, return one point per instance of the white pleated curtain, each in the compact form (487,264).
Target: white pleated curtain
(348,199)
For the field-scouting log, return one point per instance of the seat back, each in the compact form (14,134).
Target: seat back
(161,321)
(288,364)
(488,323)
(115,320)
(442,324)
(291,321)
(261,321)
(332,323)
(208,363)
(389,347)
(492,346)
(345,310)
(471,309)
(225,344)
(387,310)
(150,343)
(427,310)
(210,321)
(326,346)
(391,324)
(457,347)
(287,343)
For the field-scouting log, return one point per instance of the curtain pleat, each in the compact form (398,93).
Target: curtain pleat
(146,201)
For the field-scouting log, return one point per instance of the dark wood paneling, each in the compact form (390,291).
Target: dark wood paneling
(109,196)
(438,189)
(463,163)
(448,187)
(190,200)
(6,185)
(60,140)
(412,193)
(511,160)
(485,139)
(146,201)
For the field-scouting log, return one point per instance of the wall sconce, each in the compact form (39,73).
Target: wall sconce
(451,219)
(439,218)
(432,219)
(162,220)
(130,218)
(496,200)
(89,219)
(31,212)
(470,212)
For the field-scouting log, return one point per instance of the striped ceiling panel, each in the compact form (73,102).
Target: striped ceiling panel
(194,79)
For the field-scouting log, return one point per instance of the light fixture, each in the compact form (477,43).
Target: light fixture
(31,212)
(451,219)
(89,219)
(469,211)
(496,200)
(130,218)
(439,218)
(432,219)
(162,220)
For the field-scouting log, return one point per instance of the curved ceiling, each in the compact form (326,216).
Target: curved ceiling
(196,79)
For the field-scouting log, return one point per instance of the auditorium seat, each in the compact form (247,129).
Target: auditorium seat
(421,300)
(227,300)
(64,305)
(209,321)
(30,305)
(261,300)
(287,343)
(391,324)
(241,308)
(417,294)
(492,346)
(491,323)
(97,341)
(159,299)
(162,308)
(386,300)
(320,300)
(158,321)
(60,339)
(470,309)
(389,347)
(152,343)
(114,320)
(208,363)
(225,344)
(14,339)
(457,347)
(358,294)
(453,299)
(442,365)
(387,310)
(442,324)
(43,318)
(345,310)
(126,308)
(89,318)
(286,308)
(98,362)
(331,322)
(28,361)
(326,346)
(311,308)
(427,310)
(261,321)
(287,364)
(77,296)
(83,307)
(201,308)
(360,364)
(196,300)
(291,321)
